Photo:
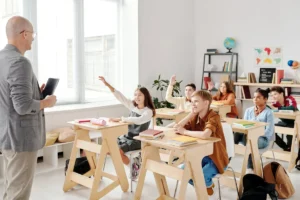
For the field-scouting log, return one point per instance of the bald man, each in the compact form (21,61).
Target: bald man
(22,121)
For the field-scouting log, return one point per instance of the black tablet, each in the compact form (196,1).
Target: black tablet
(50,86)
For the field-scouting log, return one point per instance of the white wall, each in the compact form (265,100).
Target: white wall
(253,23)
(166,40)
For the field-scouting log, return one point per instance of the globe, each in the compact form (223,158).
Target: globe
(229,43)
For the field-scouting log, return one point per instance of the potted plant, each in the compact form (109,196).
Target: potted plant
(161,86)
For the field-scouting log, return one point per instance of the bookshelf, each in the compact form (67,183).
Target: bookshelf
(233,70)
(266,85)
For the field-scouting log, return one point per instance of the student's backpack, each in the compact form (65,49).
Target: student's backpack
(256,188)
(81,166)
(274,173)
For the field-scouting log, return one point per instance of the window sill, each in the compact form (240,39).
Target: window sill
(78,107)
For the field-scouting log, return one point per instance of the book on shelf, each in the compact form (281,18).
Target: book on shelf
(243,124)
(206,79)
(246,92)
(182,141)
(212,50)
(151,134)
(251,78)
(279,75)
(273,78)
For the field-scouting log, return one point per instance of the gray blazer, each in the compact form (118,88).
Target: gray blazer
(22,123)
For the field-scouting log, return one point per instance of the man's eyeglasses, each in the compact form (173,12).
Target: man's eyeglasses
(33,33)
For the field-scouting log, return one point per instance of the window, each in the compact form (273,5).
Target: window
(55,29)
(8,8)
(77,41)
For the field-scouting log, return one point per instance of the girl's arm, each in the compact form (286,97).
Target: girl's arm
(145,117)
(119,96)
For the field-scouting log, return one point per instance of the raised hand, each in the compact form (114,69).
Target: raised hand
(173,80)
(101,78)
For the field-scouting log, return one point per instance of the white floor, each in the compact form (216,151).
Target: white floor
(48,186)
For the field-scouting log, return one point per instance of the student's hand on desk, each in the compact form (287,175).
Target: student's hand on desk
(114,119)
(173,80)
(180,130)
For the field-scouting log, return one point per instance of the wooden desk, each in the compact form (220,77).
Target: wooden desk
(168,113)
(221,109)
(110,133)
(253,134)
(191,155)
(285,155)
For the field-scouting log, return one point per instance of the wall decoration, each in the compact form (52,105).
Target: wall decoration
(268,57)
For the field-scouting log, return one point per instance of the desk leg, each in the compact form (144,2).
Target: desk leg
(244,167)
(117,161)
(152,153)
(196,170)
(252,141)
(80,134)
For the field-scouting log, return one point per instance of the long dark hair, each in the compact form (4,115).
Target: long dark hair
(228,90)
(148,99)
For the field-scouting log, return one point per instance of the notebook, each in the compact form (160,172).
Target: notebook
(244,124)
(182,141)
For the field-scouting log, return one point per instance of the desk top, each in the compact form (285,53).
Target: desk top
(169,112)
(90,126)
(169,134)
(236,128)
(286,115)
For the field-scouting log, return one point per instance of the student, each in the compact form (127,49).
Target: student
(181,103)
(204,123)
(283,102)
(141,112)
(226,95)
(262,113)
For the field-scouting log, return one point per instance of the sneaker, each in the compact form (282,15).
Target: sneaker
(135,168)
(249,171)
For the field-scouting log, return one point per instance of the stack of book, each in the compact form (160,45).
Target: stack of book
(286,81)
(243,124)
(242,80)
(182,141)
(212,50)
(151,134)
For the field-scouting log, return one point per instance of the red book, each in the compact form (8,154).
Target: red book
(279,75)
(206,80)
(151,133)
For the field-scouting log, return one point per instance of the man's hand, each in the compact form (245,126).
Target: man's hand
(42,87)
(50,101)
